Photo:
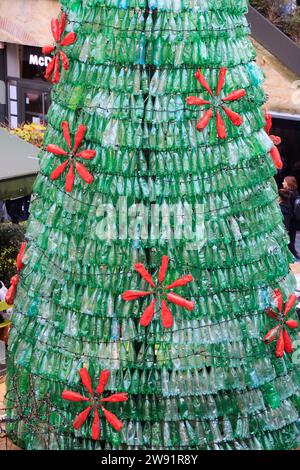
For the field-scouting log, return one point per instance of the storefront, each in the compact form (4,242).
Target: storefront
(28,95)
(22,64)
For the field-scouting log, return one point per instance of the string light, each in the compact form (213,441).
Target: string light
(210,211)
(153,68)
(151,30)
(154,111)
(189,178)
(132,271)
(141,337)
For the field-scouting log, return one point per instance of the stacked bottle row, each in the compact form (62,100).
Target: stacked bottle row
(115,105)
(113,328)
(213,305)
(132,37)
(169,26)
(156,81)
(88,9)
(96,49)
(266,269)
(133,354)
(270,407)
(191,188)
(232,155)
(99,260)
(223,225)
(162,136)
(276,440)
(158,379)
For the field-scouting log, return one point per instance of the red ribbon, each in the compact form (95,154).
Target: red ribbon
(235,118)
(140,268)
(163,268)
(221,130)
(166,315)
(203,122)
(70,178)
(201,79)
(86,380)
(148,314)
(104,376)
(178,300)
(182,281)
(221,82)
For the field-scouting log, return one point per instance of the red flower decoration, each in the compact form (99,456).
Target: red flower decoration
(160,292)
(72,155)
(94,401)
(216,104)
(58,28)
(279,332)
(10,294)
(276,141)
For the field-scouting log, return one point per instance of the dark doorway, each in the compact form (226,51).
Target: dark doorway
(289,131)
(2,86)
(35,101)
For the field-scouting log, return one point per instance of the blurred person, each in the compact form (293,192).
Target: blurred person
(286,208)
(4,217)
(290,184)
(18,208)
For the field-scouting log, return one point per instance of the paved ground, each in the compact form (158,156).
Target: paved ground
(5,443)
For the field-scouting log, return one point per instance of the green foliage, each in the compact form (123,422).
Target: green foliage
(272,9)
(11,236)
(31,133)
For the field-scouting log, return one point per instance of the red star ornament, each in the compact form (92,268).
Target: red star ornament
(275,154)
(279,332)
(216,104)
(72,155)
(94,401)
(58,28)
(160,292)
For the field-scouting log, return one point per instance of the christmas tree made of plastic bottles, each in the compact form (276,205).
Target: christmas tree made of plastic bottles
(136,341)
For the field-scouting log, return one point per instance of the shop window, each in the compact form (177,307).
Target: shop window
(33,63)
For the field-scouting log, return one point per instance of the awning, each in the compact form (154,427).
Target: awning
(27,22)
(18,166)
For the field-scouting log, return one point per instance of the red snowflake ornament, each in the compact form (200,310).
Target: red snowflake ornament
(216,104)
(279,332)
(10,294)
(58,28)
(72,157)
(95,401)
(159,291)
(275,154)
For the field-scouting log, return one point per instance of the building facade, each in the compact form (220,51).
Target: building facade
(24,29)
